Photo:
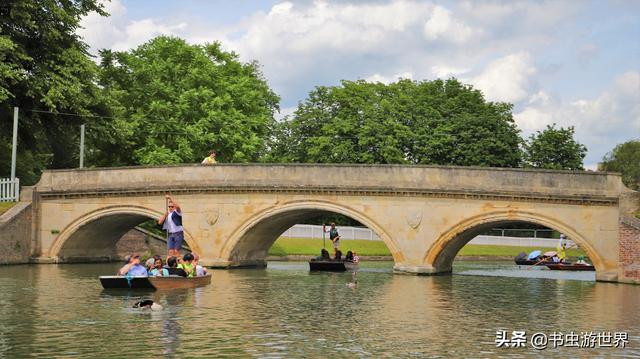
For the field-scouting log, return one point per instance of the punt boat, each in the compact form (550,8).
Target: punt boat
(332,266)
(152,283)
(574,266)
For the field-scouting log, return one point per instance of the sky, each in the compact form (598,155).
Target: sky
(572,63)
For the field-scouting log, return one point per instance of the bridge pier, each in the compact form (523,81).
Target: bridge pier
(420,270)
(244,263)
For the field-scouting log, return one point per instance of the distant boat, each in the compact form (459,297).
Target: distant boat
(170,282)
(569,266)
(332,266)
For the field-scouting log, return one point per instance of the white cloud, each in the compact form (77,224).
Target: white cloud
(507,78)
(442,25)
(389,79)
(601,122)
(444,71)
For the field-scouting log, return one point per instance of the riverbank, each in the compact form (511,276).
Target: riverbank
(306,258)
(307,248)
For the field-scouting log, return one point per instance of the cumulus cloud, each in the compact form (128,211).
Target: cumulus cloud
(507,78)
(442,25)
(601,122)
(389,79)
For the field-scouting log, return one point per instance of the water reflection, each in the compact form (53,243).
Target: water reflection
(285,311)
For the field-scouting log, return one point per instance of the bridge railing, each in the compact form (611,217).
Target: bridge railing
(9,190)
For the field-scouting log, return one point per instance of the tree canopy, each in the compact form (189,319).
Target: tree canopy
(414,122)
(554,149)
(173,102)
(625,158)
(44,66)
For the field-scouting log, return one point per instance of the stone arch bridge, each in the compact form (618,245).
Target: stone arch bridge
(424,214)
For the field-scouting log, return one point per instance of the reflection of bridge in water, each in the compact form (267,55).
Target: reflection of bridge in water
(234,213)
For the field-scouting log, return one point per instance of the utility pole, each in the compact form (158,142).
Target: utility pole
(14,146)
(81,145)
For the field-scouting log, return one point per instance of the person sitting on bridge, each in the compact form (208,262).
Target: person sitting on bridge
(187,265)
(158,270)
(171,221)
(172,267)
(210,160)
(133,267)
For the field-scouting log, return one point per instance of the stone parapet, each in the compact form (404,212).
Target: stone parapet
(15,234)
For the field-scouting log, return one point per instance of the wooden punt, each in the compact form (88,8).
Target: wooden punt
(574,267)
(174,282)
(171,282)
(332,266)
(120,282)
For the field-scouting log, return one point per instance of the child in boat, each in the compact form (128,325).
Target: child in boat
(356,259)
(187,265)
(200,270)
(582,261)
(158,270)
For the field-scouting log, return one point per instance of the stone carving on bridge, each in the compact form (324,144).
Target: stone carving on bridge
(414,218)
(212,216)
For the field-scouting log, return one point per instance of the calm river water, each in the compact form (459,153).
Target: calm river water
(285,311)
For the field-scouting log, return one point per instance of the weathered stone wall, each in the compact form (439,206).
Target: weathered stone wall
(15,234)
(630,251)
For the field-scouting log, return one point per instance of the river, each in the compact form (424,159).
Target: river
(284,311)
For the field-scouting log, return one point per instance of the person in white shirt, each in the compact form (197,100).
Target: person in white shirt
(171,221)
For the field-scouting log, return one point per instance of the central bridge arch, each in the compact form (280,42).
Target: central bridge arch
(441,254)
(95,234)
(250,242)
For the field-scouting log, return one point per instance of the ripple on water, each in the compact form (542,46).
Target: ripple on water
(285,311)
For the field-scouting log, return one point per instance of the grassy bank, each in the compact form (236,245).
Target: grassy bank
(5,206)
(304,246)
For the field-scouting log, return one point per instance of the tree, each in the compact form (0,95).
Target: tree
(426,122)
(44,68)
(554,149)
(173,102)
(625,158)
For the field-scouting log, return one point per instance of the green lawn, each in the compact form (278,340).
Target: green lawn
(4,206)
(304,246)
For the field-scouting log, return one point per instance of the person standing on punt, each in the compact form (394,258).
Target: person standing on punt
(334,237)
(171,221)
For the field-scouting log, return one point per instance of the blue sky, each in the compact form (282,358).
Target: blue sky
(574,63)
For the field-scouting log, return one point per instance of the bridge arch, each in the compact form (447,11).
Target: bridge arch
(249,243)
(441,254)
(97,232)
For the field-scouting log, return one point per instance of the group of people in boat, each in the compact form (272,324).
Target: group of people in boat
(349,257)
(556,257)
(185,266)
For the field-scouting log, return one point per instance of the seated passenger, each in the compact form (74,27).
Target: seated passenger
(173,269)
(200,270)
(582,261)
(149,264)
(133,267)
(158,270)
(349,257)
(187,265)
(324,256)
(338,256)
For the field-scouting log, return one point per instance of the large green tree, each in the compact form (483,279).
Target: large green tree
(44,68)
(625,158)
(554,148)
(173,102)
(416,122)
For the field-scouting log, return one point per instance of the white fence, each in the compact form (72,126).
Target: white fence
(313,231)
(9,190)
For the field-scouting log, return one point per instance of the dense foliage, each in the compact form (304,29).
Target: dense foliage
(554,149)
(426,122)
(173,102)
(44,66)
(625,158)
